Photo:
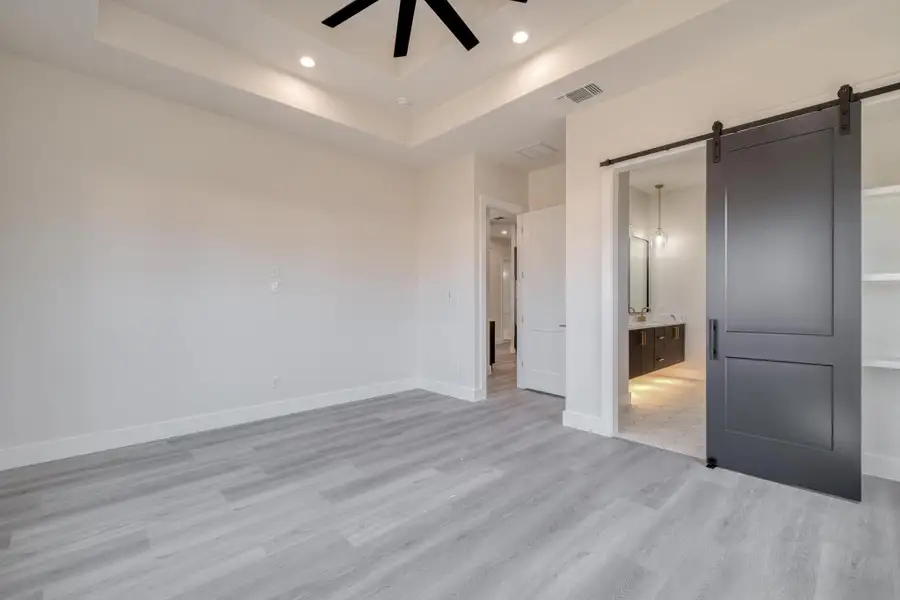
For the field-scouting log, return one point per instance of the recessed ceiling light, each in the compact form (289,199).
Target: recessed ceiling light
(402,101)
(504,232)
(520,37)
(308,61)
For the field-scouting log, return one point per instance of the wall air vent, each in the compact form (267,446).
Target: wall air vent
(537,151)
(583,93)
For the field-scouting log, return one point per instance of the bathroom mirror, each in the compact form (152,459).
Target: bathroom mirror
(639,276)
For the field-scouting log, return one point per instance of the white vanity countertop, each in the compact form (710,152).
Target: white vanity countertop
(649,324)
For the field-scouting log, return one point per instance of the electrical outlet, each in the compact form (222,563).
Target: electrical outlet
(275,272)
(276,381)
(276,287)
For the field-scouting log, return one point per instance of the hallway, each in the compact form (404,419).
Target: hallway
(503,378)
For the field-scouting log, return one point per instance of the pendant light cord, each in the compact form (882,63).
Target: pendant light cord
(659,188)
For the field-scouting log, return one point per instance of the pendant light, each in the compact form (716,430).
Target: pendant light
(659,238)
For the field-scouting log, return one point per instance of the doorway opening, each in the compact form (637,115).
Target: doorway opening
(522,299)
(665,279)
(501,286)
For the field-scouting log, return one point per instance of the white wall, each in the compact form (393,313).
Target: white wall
(642,212)
(447,250)
(881,142)
(547,187)
(678,275)
(450,196)
(501,182)
(789,68)
(137,241)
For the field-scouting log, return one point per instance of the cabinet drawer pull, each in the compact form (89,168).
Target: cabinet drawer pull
(660,360)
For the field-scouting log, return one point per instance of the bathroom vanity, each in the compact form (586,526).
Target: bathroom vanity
(654,346)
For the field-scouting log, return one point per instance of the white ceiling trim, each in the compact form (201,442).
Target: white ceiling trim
(127,29)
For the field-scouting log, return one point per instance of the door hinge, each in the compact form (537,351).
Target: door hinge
(717,141)
(845,95)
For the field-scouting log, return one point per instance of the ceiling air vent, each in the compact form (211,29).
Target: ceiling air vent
(583,93)
(536,151)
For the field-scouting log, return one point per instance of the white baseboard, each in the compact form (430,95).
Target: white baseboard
(589,423)
(885,467)
(30,454)
(451,389)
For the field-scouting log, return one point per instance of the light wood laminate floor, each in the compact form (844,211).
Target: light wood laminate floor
(419,497)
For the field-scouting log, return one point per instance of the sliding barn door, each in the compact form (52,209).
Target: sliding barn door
(784,274)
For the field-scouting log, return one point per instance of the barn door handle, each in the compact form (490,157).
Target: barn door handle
(713,339)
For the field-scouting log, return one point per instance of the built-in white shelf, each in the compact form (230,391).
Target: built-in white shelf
(891,190)
(876,277)
(882,363)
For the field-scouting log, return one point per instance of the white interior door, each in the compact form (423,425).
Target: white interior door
(542,297)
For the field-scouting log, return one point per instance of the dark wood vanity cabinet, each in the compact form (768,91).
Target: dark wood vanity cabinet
(640,352)
(654,348)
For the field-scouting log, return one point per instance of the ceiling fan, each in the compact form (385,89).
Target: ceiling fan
(441,8)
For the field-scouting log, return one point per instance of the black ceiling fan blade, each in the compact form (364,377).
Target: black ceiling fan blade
(348,12)
(404,27)
(454,22)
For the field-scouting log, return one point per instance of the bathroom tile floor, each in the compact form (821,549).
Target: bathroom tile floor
(668,413)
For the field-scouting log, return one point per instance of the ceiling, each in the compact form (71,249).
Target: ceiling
(677,172)
(357,57)
(241,58)
(497,230)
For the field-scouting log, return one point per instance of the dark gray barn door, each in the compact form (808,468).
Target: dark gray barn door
(783,388)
